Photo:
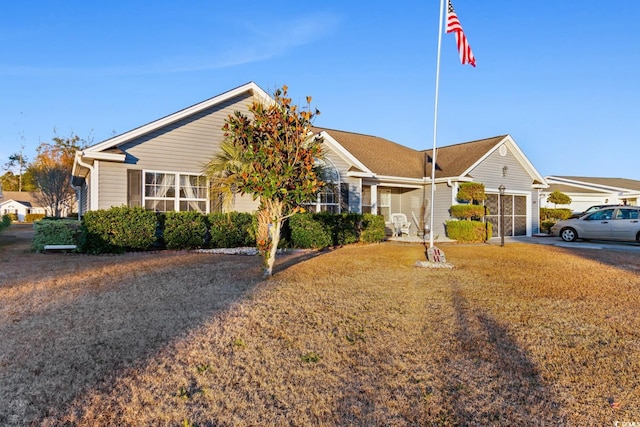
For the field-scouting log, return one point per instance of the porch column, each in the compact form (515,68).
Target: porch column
(374,199)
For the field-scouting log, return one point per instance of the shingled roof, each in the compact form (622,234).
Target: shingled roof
(454,160)
(623,183)
(379,155)
(384,157)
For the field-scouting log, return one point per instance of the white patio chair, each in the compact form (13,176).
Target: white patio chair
(400,224)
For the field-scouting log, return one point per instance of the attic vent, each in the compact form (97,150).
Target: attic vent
(503,150)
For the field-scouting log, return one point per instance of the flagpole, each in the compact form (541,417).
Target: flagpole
(435,129)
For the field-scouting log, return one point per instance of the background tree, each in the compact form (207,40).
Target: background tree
(21,162)
(51,172)
(558,198)
(13,182)
(275,162)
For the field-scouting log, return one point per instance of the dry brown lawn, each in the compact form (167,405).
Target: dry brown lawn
(520,335)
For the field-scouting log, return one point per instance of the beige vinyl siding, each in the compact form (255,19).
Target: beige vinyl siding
(184,146)
(517,181)
(245,203)
(443,197)
(85,196)
(113,185)
(489,172)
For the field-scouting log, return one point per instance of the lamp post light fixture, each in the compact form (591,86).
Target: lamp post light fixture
(501,204)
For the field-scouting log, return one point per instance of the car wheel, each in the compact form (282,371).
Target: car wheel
(568,234)
(638,237)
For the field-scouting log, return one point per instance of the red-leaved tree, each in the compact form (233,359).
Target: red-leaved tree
(274,161)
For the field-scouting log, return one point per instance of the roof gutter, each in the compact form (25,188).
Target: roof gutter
(92,182)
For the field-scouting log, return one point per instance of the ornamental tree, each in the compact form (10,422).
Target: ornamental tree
(274,161)
(559,198)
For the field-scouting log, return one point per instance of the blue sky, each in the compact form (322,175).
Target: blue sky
(562,78)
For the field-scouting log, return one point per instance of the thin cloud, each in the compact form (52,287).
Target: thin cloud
(260,43)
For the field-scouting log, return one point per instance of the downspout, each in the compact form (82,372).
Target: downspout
(90,167)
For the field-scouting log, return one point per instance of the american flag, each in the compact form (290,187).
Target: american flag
(453,26)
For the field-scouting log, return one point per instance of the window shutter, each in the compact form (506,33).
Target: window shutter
(134,187)
(344,197)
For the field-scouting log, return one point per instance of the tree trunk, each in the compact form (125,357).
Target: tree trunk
(273,212)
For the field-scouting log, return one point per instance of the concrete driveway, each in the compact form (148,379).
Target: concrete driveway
(578,244)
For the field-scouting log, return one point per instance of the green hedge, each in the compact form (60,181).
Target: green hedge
(548,214)
(320,230)
(5,222)
(309,231)
(231,230)
(33,217)
(467,211)
(119,229)
(55,232)
(184,230)
(372,228)
(469,231)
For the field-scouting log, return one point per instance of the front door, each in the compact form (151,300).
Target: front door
(597,225)
(625,224)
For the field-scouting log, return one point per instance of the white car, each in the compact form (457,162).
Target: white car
(613,223)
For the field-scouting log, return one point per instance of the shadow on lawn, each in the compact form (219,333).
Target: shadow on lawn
(54,352)
(491,380)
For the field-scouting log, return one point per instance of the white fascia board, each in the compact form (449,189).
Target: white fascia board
(157,124)
(111,157)
(355,174)
(528,166)
(586,184)
(400,180)
(344,154)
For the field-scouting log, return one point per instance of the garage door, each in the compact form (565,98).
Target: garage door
(515,214)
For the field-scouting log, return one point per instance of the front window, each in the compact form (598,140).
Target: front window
(384,204)
(366,199)
(165,192)
(328,199)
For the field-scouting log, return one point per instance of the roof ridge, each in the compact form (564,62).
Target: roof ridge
(469,142)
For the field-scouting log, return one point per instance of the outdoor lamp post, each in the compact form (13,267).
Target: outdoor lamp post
(501,204)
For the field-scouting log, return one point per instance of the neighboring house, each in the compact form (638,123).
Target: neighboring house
(19,203)
(159,166)
(589,191)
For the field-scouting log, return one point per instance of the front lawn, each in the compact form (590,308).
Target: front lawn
(520,335)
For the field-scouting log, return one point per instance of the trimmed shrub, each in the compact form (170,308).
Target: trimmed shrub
(471,192)
(309,231)
(231,230)
(373,228)
(55,232)
(184,230)
(118,229)
(33,217)
(346,228)
(545,226)
(13,217)
(469,231)
(548,214)
(475,212)
(5,222)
